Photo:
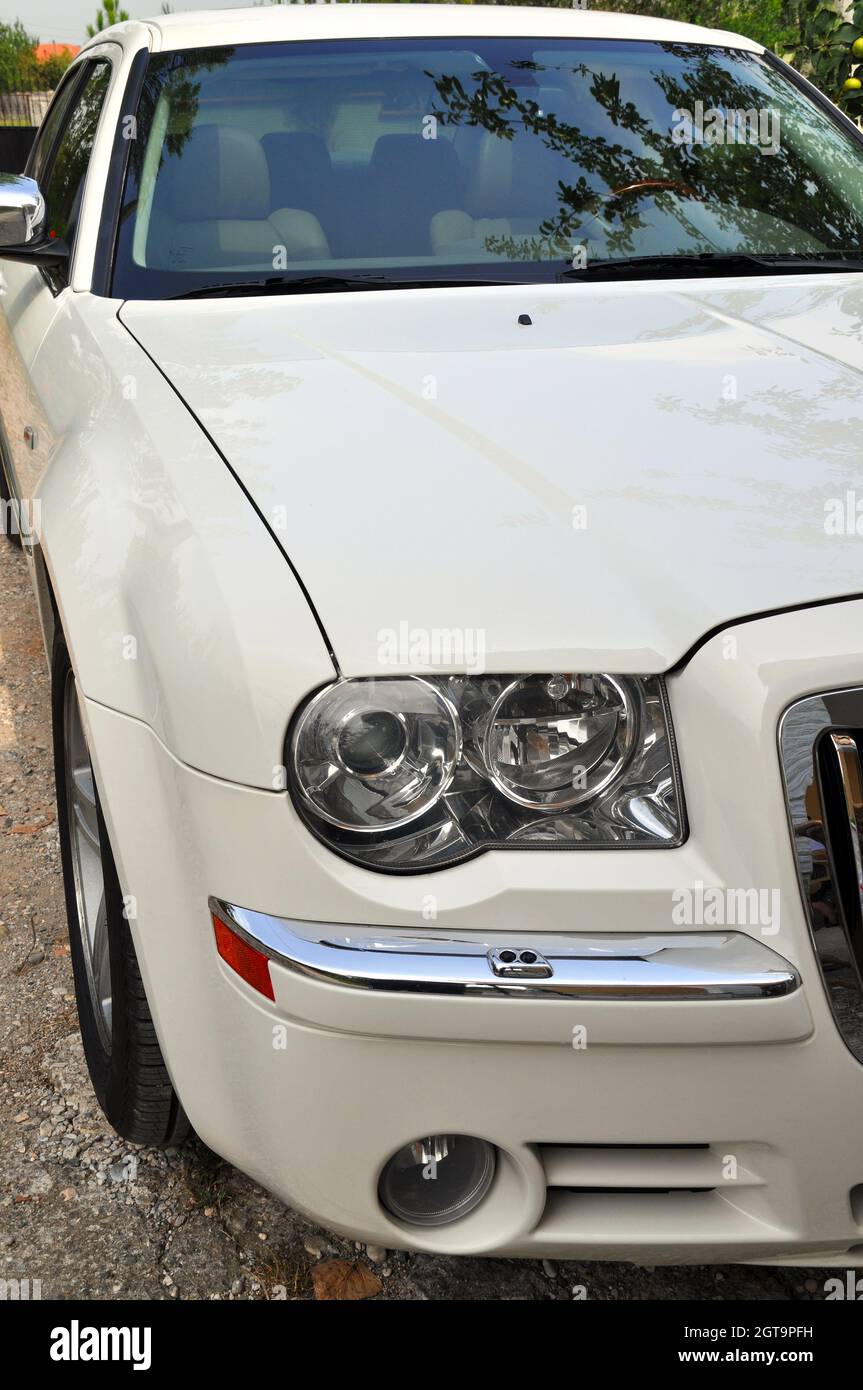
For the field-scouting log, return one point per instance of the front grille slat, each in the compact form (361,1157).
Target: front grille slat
(820,741)
(842,805)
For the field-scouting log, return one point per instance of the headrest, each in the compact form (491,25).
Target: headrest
(410,157)
(518,177)
(491,190)
(300,167)
(221,174)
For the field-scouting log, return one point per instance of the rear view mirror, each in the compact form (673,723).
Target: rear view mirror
(23,234)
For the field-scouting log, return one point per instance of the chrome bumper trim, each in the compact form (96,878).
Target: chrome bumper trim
(659,968)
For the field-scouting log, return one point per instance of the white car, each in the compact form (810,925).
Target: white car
(434,434)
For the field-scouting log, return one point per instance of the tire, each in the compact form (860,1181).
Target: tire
(14,537)
(120,1045)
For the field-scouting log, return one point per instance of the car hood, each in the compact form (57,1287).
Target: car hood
(595,488)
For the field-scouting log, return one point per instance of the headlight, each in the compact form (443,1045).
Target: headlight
(373,755)
(404,774)
(555,742)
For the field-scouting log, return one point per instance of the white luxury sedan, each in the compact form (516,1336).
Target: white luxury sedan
(434,433)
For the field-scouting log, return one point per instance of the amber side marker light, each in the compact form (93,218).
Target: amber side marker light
(251,965)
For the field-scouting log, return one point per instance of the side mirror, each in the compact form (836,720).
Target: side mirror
(23,232)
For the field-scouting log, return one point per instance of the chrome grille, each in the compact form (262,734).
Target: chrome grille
(820,742)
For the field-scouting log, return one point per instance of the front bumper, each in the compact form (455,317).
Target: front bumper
(460,986)
(684,1129)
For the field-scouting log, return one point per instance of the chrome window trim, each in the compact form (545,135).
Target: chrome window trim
(802,727)
(661,968)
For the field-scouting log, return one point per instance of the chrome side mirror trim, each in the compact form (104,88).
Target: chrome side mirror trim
(23,224)
(22,211)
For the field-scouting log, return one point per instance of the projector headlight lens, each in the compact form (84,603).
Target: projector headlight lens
(406,774)
(373,755)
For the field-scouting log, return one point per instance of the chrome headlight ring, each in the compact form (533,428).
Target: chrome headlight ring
(342,728)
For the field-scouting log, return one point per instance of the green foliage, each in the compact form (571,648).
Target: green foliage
(110,13)
(19,70)
(16,56)
(52,69)
(771,22)
(823,48)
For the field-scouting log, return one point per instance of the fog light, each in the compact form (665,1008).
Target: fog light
(437,1179)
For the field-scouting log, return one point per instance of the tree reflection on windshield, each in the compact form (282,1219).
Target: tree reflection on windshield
(760,196)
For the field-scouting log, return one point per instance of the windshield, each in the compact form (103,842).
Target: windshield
(472,159)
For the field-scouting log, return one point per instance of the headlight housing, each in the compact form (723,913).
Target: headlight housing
(367,760)
(404,774)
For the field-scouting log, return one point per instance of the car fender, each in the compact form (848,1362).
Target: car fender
(177,604)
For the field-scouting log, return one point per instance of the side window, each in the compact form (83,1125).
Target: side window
(63,184)
(47,133)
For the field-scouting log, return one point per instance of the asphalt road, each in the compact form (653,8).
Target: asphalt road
(89,1216)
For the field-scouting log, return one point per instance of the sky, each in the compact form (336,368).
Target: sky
(65,21)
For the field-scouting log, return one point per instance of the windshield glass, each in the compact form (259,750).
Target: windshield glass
(491,159)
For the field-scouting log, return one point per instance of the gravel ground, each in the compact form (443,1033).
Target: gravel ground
(93,1217)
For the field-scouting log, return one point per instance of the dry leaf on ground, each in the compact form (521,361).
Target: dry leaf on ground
(344,1279)
(29,829)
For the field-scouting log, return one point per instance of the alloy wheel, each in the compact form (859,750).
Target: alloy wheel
(87,869)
